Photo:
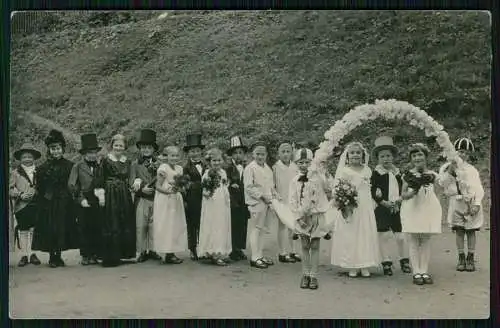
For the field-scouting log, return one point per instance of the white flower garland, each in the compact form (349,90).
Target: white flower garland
(392,110)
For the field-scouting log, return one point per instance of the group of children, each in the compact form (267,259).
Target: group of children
(116,209)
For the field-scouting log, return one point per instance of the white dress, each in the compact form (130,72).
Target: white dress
(355,240)
(215,222)
(169,220)
(422,213)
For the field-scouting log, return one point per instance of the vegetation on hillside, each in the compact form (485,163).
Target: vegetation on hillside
(267,75)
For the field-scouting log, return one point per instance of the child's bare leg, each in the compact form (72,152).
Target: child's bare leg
(314,254)
(471,246)
(306,255)
(460,241)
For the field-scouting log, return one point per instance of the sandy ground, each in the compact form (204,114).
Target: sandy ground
(195,290)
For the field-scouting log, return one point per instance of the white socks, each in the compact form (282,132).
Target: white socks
(385,245)
(25,239)
(420,252)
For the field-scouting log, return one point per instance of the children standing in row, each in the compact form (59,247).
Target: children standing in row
(22,191)
(284,171)
(465,216)
(215,224)
(386,183)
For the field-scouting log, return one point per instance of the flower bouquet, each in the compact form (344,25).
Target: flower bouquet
(210,183)
(345,197)
(181,183)
(419,179)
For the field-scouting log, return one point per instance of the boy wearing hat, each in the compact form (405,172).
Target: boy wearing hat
(23,197)
(195,169)
(465,212)
(284,170)
(258,181)
(56,229)
(386,185)
(143,174)
(239,210)
(81,184)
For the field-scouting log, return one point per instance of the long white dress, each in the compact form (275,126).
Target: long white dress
(355,240)
(169,219)
(422,213)
(215,224)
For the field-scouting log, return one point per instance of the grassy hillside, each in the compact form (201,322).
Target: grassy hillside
(268,75)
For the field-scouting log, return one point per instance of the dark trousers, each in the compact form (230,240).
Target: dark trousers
(193,230)
(239,223)
(90,231)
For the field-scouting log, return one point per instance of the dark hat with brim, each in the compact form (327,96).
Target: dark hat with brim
(55,137)
(384,143)
(147,137)
(193,141)
(27,148)
(89,142)
(236,143)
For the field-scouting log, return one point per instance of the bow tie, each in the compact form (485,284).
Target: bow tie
(196,163)
(92,164)
(303,178)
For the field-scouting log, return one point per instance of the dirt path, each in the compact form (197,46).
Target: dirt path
(194,290)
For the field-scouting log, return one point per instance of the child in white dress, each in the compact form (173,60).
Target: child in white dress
(284,170)
(215,224)
(420,213)
(169,220)
(309,203)
(465,216)
(355,242)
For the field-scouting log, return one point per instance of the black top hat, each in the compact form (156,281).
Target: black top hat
(89,142)
(55,136)
(236,143)
(193,141)
(147,137)
(27,148)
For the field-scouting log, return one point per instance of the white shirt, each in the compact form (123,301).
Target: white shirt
(30,171)
(283,175)
(240,168)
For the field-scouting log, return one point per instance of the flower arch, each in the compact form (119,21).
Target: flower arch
(391,110)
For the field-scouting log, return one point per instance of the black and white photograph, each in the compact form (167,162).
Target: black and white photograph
(330,164)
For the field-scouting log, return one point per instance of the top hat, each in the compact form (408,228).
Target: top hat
(384,142)
(464,144)
(27,148)
(236,143)
(193,141)
(303,153)
(89,142)
(55,136)
(147,137)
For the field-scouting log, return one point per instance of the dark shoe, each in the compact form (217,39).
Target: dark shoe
(34,260)
(53,262)
(304,282)
(328,236)
(235,256)
(286,259)
(23,262)
(142,258)
(93,260)
(172,259)
(154,256)
(469,266)
(194,255)
(313,284)
(242,255)
(418,280)
(387,267)
(267,261)
(461,262)
(60,262)
(427,279)
(259,264)
(296,257)
(110,263)
(405,265)
(85,261)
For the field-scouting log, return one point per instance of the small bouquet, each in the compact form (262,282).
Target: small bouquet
(419,179)
(345,197)
(211,182)
(181,183)
(153,170)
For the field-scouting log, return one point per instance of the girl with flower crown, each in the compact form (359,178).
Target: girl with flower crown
(420,212)
(215,224)
(355,242)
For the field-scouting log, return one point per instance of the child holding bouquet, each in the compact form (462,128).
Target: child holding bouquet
(420,212)
(355,244)
(309,203)
(465,213)
(386,184)
(215,224)
(169,220)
